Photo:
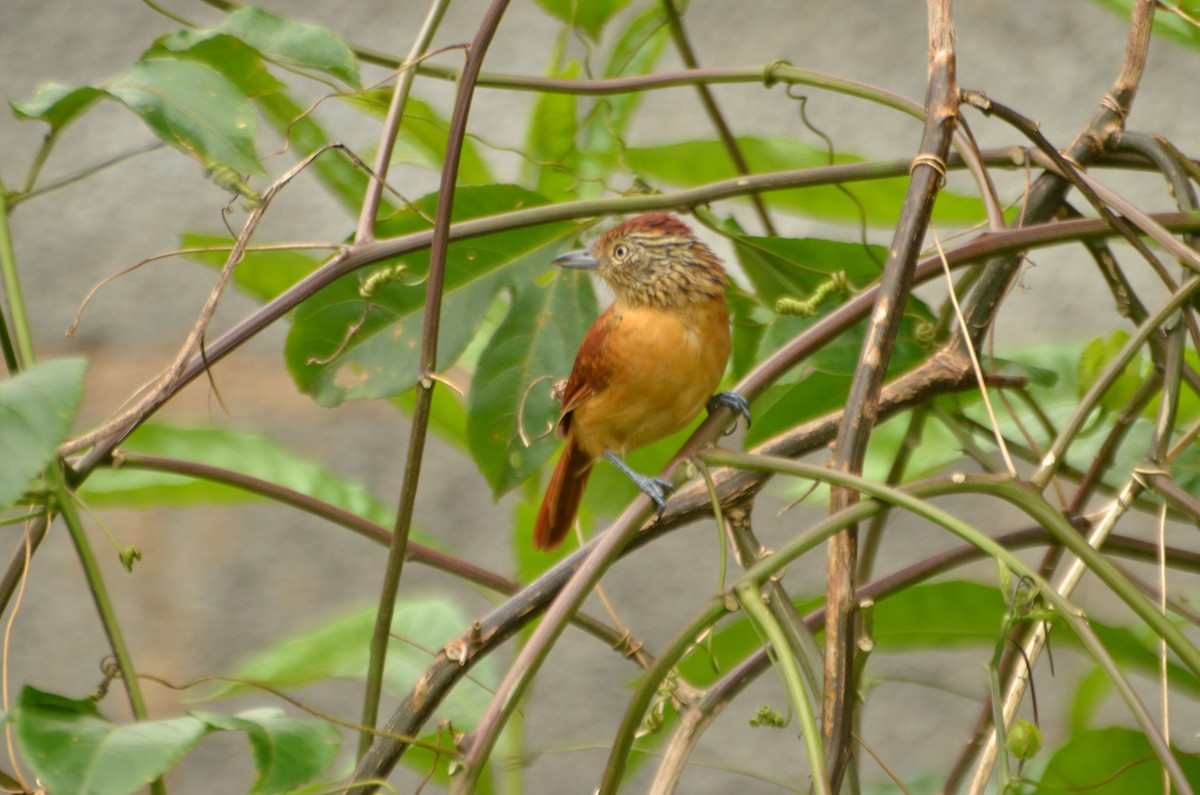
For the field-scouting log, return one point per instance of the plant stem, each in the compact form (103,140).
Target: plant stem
(849,452)
(748,596)
(23,355)
(108,615)
(95,580)
(429,338)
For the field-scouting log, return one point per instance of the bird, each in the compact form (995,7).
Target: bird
(648,364)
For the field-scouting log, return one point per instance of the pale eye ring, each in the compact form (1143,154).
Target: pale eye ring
(620,251)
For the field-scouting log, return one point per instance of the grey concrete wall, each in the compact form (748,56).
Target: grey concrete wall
(217,584)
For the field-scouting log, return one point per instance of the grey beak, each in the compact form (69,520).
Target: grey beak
(576,259)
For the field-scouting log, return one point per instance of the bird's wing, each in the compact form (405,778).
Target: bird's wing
(590,373)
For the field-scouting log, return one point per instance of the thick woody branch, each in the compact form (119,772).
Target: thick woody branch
(862,405)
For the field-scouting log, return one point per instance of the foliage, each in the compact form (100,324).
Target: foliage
(455,287)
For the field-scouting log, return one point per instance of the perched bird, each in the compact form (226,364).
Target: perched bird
(647,365)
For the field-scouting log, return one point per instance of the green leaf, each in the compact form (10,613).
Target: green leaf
(381,358)
(550,141)
(1096,356)
(941,615)
(72,748)
(37,407)
(293,44)
(426,134)
(781,267)
(193,107)
(340,649)
(1090,692)
(246,453)
(262,275)
(694,163)
(590,16)
(56,104)
(287,752)
(240,63)
(822,273)
(1113,761)
(511,391)
(749,320)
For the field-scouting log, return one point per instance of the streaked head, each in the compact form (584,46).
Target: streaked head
(653,259)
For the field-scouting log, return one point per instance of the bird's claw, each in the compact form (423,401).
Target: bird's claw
(656,489)
(732,401)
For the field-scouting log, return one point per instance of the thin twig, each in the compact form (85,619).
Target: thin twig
(428,366)
(166,383)
(983,393)
(391,125)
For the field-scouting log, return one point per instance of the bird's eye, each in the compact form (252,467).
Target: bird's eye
(620,251)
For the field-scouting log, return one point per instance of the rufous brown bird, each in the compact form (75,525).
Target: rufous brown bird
(647,365)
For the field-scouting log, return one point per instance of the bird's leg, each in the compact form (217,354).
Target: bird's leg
(654,488)
(732,401)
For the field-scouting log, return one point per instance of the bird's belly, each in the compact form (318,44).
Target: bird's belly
(665,368)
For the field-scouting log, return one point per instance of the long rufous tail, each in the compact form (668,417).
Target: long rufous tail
(561,502)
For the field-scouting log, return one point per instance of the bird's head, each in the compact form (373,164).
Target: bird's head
(653,259)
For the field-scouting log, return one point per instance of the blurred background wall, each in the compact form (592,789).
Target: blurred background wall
(218,583)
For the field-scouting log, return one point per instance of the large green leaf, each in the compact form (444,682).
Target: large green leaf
(194,107)
(246,453)
(550,141)
(588,15)
(801,269)
(511,391)
(381,358)
(287,752)
(340,649)
(72,748)
(56,104)
(240,63)
(1113,761)
(697,162)
(262,275)
(780,267)
(37,407)
(298,45)
(1096,356)
(636,51)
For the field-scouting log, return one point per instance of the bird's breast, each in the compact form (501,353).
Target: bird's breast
(663,364)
